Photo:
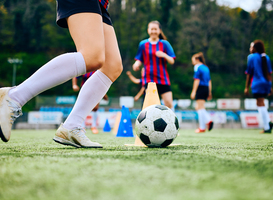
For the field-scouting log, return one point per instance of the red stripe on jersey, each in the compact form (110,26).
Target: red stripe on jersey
(154,63)
(104,3)
(161,64)
(148,64)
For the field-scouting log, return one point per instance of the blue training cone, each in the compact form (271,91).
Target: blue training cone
(107,127)
(125,128)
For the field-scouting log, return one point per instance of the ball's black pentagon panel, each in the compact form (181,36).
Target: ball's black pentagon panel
(166,143)
(145,139)
(141,116)
(161,107)
(160,125)
(176,123)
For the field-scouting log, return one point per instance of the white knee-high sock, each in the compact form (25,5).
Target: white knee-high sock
(201,119)
(206,115)
(91,93)
(53,73)
(94,119)
(265,116)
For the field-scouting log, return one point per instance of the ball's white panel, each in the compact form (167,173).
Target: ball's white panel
(157,138)
(171,132)
(146,127)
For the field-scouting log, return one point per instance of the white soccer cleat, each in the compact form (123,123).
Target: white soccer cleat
(75,137)
(9,111)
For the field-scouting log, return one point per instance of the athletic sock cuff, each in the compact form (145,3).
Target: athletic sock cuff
(80,64)
(104,78)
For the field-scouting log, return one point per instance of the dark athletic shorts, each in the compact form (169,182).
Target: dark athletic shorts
(161,89)
(202,92)
(259,95)
(66,8)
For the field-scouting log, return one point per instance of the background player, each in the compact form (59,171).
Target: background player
(76,88)
(201,91)
(97,50)
(258,75)
(154,53)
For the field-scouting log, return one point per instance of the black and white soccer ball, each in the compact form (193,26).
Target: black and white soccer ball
(157,126)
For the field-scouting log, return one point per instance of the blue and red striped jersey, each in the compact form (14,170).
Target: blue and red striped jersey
(85,77)
(104,3)
(155,69)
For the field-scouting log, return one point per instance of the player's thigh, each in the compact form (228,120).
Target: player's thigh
(260,102)
(168,99)
(86,30)
(113,63)
(200,104)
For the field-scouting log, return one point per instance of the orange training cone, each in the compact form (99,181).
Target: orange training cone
(115,129)
(151,98)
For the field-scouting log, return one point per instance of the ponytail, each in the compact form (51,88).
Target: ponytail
(259,48)
(161,35)
(200,57)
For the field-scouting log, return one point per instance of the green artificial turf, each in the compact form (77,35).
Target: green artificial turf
(221,164)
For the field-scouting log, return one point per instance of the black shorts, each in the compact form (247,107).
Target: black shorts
(259,95)
(161,89)
(66,8)
(202,92)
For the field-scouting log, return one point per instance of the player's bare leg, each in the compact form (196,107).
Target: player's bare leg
(168,99)
(107,59)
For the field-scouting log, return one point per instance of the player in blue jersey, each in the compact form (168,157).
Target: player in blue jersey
(91,29)
(201,91)
(76,88)
(154,53)
(258,75)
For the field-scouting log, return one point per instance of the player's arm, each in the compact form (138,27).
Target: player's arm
(210,89)
(161,54)
(194,88)
(139,94)
(75,86)
(136,65)
(248,78)
(132,78)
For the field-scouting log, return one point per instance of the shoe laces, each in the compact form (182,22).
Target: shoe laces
(16,111)
(78,131)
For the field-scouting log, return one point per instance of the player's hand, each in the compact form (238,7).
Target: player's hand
(105,97)
(136,67)
(246,92)
(76,88)
(136,98)
(270,92)
(160,54)
(128,73)
(193,95)
(209,97)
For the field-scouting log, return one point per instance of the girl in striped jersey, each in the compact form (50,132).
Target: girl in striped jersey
(91,29)
(154,53)
(258,75)
(201,91)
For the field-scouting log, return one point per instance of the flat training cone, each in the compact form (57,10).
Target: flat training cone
(151,98)
(125,128)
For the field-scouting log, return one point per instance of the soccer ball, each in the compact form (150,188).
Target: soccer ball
(157,126)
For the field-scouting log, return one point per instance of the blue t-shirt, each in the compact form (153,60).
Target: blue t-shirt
(259,84)
(155,68)
(202,73)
